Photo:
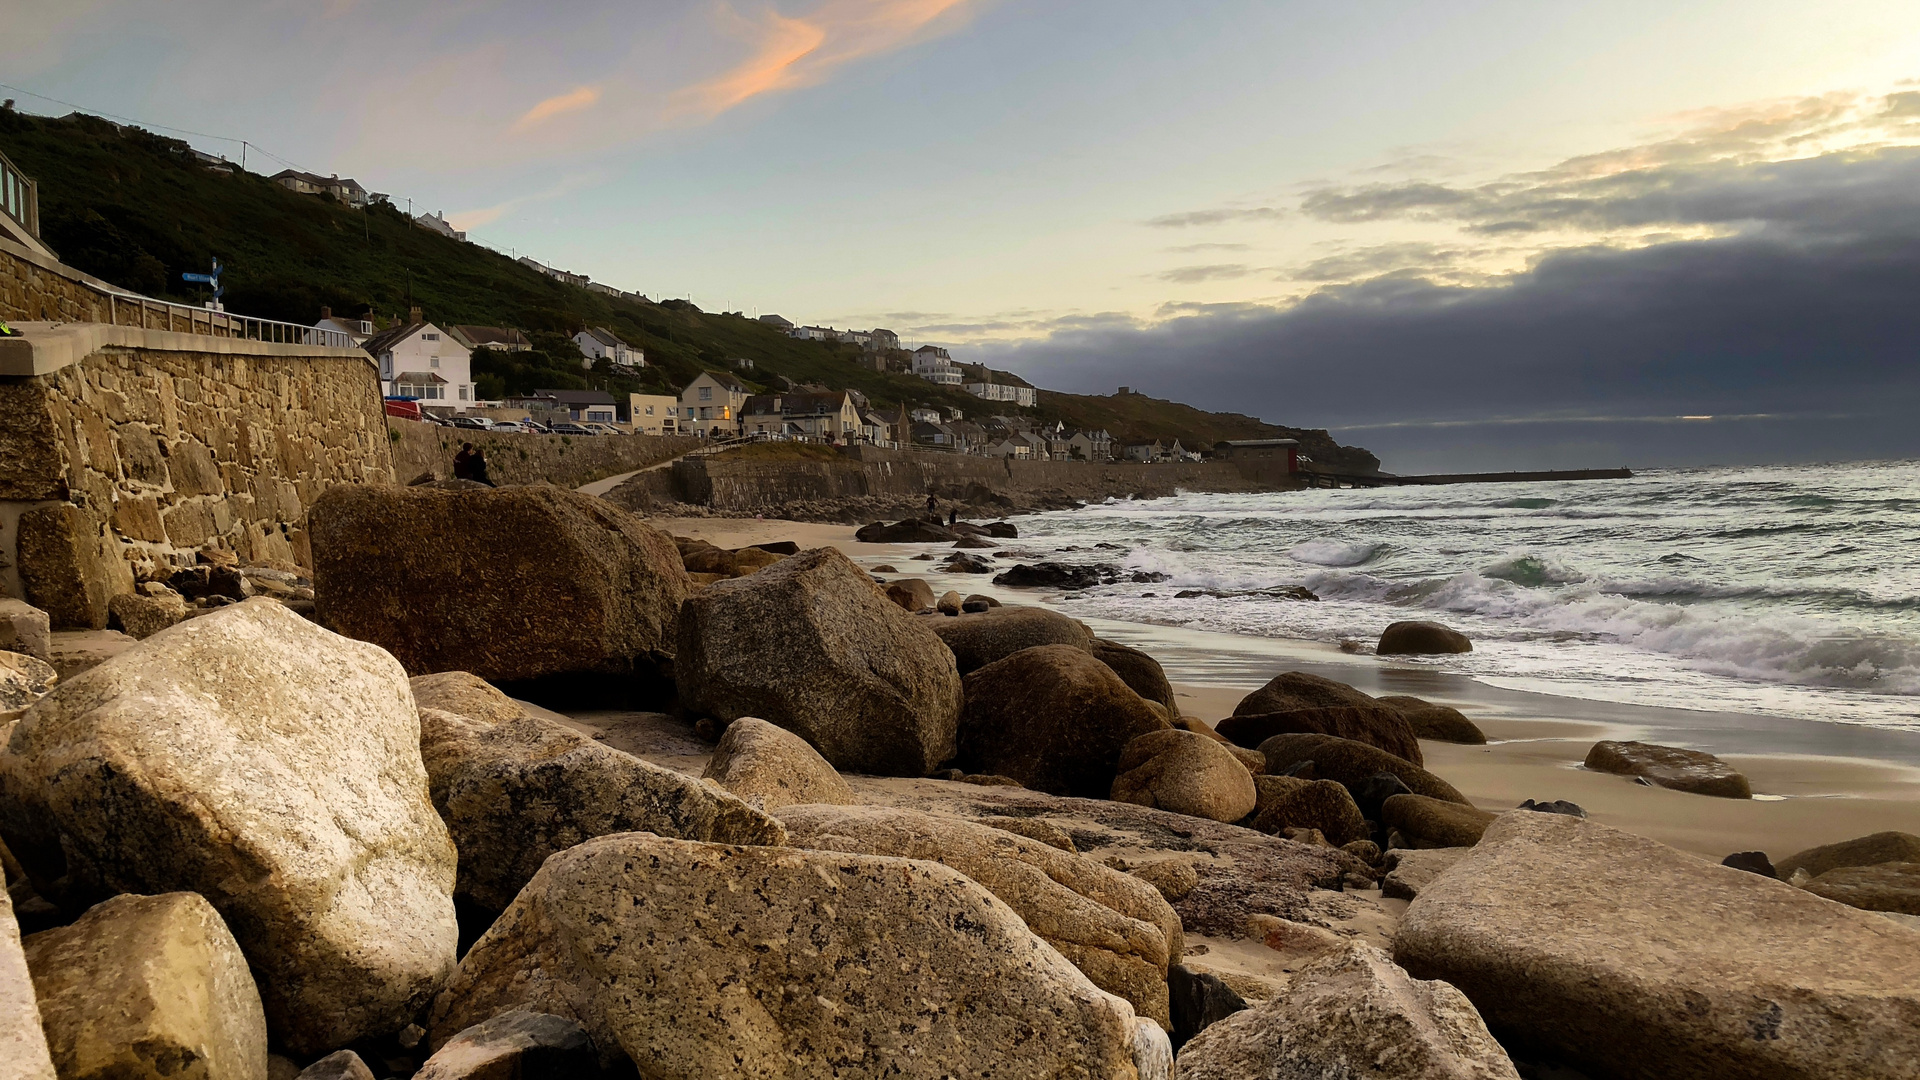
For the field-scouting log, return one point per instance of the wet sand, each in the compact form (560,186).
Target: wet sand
(1816,782)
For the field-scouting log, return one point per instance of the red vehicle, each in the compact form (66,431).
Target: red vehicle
(405,408)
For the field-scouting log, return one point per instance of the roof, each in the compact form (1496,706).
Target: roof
(418,378)
(391,336)
(796,404)
(317,180)
(723,379)
(579,397)
(604,336)
(490,335)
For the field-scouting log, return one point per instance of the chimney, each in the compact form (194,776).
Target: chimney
(414,316)
(326,313)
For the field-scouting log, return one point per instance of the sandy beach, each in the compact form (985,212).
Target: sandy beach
(1815,783)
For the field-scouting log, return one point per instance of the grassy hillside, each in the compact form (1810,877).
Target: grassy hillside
(139,210)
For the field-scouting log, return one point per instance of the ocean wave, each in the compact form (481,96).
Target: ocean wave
(1335,552)
(1532,570)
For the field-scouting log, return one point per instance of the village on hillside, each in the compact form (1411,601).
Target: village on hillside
(426,374)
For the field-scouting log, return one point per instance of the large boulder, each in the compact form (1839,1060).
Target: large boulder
(791,963)
(1626,958)
(1295,702)
(911,531)
(23,1042)
(1670,767)
(980,638)
(1893,886)
(1425,822)
(1351,1014)
(1292,690)
(1112,926)
(463,693)
(771,767)
(1352,764)
(1185,773)
(24,680)
(509,584)
(1411,870)
(148,986)
(274,768)
(514,793)
(516,1045)
(25,629)
(1880,847)
(913,594)
(1053,718)
(812,645)
(1138,670)
(1418,637)
(1288,802)
(70,566)
(1375,725)
(1439,723)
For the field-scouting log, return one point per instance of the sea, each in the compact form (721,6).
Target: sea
(1784,591)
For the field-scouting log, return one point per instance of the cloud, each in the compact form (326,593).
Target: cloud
(468,220)
(793,52)
(1780,303)
(1191,249)
(1192,275)
(1221,216)
(580,97)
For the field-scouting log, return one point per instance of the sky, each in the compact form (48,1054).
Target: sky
(1465,235)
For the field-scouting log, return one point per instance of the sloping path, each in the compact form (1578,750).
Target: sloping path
(601,487)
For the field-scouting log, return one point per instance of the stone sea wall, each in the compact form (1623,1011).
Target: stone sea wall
(154,445)
(733,486)
(561,460)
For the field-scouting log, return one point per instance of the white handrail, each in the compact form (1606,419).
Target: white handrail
(234,326)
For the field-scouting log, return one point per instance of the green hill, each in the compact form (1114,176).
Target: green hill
(138,209)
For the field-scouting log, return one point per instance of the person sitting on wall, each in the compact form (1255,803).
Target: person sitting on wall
(471,464)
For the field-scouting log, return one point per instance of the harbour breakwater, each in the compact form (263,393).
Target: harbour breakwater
(865,482)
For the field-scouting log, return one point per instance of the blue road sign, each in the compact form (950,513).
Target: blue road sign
(207,279)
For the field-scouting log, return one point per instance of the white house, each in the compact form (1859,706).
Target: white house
(710,405)
(437,222)
(996,391)
(357,329)
(935,365)
(598,343)
(926,416)
(419,360)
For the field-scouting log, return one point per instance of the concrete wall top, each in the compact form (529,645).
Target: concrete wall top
(43,347)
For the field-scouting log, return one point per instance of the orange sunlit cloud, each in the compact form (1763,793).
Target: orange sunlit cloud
(800,51)
(572,101)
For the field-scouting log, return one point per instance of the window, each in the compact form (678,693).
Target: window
(649,410)
(706,393)
(433,361)
(429,337)
(463,393)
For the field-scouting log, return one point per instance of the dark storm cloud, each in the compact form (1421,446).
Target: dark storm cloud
(1807,302)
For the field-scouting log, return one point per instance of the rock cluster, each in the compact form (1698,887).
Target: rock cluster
(887,833)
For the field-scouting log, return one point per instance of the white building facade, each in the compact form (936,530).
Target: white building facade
(419,360)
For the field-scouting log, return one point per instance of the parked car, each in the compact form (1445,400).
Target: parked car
(477,423)
(571,429)
(602,429)
(512,427)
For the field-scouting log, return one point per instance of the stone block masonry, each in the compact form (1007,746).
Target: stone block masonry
(165,443)
(562,460)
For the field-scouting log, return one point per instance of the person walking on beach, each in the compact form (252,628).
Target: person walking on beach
(953,517)
(933,509)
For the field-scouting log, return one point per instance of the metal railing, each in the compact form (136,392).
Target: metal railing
(19,197)
(132,309)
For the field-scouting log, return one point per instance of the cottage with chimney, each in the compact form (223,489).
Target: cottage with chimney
(421,361)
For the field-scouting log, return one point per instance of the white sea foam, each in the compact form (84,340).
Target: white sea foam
(1790,591)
